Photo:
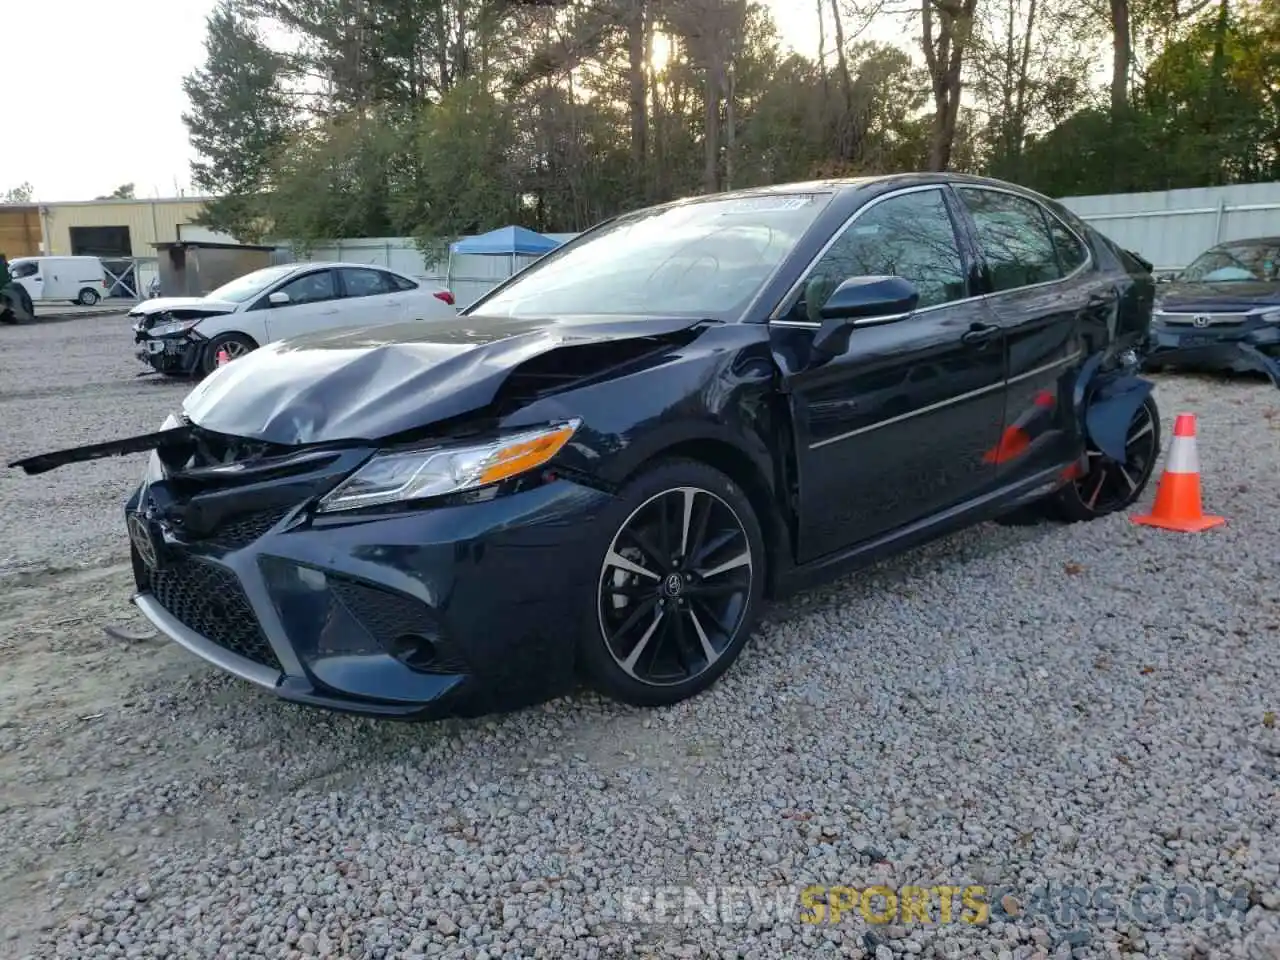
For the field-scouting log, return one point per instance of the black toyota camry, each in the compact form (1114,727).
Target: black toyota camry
(1223,311)
(605,466)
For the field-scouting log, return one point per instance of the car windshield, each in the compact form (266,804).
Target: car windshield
(250,285)
(702,258)
(1250,260)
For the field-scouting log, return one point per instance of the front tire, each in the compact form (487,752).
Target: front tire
(234,344)
(681,581)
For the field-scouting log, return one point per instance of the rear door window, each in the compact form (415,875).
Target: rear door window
(365,283)
(1015,238)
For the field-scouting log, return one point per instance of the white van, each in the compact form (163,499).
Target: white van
(78,279)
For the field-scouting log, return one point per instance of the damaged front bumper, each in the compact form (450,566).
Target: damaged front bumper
(1251,345)
(417,614)
(460,605)
(174,353)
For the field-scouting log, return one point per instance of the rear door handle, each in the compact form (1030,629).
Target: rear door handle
(980,333)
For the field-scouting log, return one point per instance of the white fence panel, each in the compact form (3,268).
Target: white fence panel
(1171,227)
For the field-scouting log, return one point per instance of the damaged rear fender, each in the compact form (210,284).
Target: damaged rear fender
(1106,402)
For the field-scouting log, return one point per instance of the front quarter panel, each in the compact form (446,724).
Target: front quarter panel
(210,327)
(718,389)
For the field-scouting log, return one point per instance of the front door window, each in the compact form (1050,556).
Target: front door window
(909,235)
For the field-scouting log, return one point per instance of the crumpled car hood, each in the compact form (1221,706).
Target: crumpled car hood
(148,308)
(368,383)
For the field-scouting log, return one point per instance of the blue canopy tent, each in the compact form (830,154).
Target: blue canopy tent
(510,242)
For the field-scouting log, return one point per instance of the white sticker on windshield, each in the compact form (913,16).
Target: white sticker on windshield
(768,204)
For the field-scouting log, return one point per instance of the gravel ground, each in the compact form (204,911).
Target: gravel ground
(1090,706)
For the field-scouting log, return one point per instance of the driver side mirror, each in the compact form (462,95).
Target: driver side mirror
(859,302)
(278,299)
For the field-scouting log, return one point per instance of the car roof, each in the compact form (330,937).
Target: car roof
(850,184)
(342,263)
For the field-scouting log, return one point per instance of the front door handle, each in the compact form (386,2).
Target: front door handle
(980,333)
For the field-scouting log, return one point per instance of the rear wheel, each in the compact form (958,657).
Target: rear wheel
(1109,485)
(681,580)
(88,297)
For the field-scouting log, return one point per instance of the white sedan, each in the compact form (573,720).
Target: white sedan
(192,335)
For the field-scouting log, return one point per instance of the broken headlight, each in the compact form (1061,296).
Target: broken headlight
(417,474)
(172,327)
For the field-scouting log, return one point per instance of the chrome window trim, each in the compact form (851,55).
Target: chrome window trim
(863,322)
(950,401)
(795,287)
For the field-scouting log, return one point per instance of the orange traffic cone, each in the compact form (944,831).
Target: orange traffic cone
(1177,505)
(221,356)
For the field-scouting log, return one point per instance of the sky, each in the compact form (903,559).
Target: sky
(135,54)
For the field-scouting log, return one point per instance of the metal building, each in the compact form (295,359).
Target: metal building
(19,229)
(124,233)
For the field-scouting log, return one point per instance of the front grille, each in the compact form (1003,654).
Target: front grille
(1212,319)
(241,531)
(389,615)
(236,531)
(208,599)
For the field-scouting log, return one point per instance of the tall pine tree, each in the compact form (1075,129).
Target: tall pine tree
(240,118)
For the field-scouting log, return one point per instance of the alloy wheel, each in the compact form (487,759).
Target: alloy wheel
(234,349)
(1110,485)
(675,586)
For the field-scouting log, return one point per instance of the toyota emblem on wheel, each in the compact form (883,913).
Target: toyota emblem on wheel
(1200,320)
(143,542)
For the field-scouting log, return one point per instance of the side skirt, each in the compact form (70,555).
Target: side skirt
(985,507)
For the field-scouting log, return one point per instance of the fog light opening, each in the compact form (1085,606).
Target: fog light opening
(415,651)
